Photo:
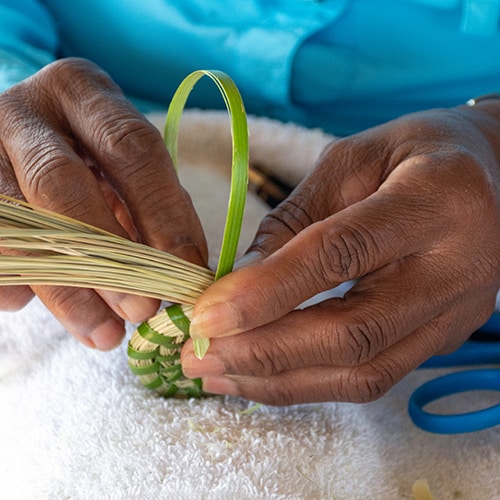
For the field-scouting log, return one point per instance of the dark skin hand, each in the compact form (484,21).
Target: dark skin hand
(72,143)
(411,210)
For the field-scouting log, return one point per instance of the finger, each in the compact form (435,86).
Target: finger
(102,329)
(406,213)
(359,384)
(117,206)
(49,173)
(464,318)
(131,153)
(48,170)
(347,171)
(57,178)
(375,314)
(12,298)
(356,241)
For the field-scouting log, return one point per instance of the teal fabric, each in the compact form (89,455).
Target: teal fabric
(378,63)
(342,65)
(28,40)
(148,47)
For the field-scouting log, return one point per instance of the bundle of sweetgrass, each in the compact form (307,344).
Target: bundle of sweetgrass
(50,249)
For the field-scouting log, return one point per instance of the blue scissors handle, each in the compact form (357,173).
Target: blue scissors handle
(470,353)
(474,352)
(469,380)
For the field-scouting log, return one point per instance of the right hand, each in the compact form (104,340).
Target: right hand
(70,142)
(409,211)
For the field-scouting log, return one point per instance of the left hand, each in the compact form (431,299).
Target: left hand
(411,210)
(70,142)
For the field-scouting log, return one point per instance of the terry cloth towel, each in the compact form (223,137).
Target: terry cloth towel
(76,424)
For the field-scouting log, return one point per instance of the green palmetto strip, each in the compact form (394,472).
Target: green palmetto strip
(177,316)
(239,169)
(240,155)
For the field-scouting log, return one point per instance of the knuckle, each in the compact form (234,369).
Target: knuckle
(16,115)
(269,356)
(328,344)
(357,343)
(73,76)
(357,340)
(368,383)
(290,217)
(8,183)
(471,194)
(126,132)
(357,162)
(71,81)
(279,394)
(343,253)
(68,303)
(170,214)
(46,170)
(261,361)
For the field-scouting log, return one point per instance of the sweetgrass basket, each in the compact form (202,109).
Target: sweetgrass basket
(154,353)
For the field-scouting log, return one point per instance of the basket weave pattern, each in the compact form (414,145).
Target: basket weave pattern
(154,356)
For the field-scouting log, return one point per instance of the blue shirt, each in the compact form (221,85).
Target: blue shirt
(342,65)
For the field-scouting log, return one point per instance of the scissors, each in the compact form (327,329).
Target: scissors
(483,348)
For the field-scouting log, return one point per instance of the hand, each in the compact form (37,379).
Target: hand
(409,210)
(70,142)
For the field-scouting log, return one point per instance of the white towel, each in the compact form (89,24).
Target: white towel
(76,424)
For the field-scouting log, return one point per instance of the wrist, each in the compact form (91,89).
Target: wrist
(484,113)
(486,105)
(481,99)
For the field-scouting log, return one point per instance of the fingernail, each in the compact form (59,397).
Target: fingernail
(108,335)
(137,308)
(220,385)
(217,320)
(133,308)
(193,367)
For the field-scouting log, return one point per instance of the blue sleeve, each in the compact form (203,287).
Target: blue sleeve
(28,40)
(370,66)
